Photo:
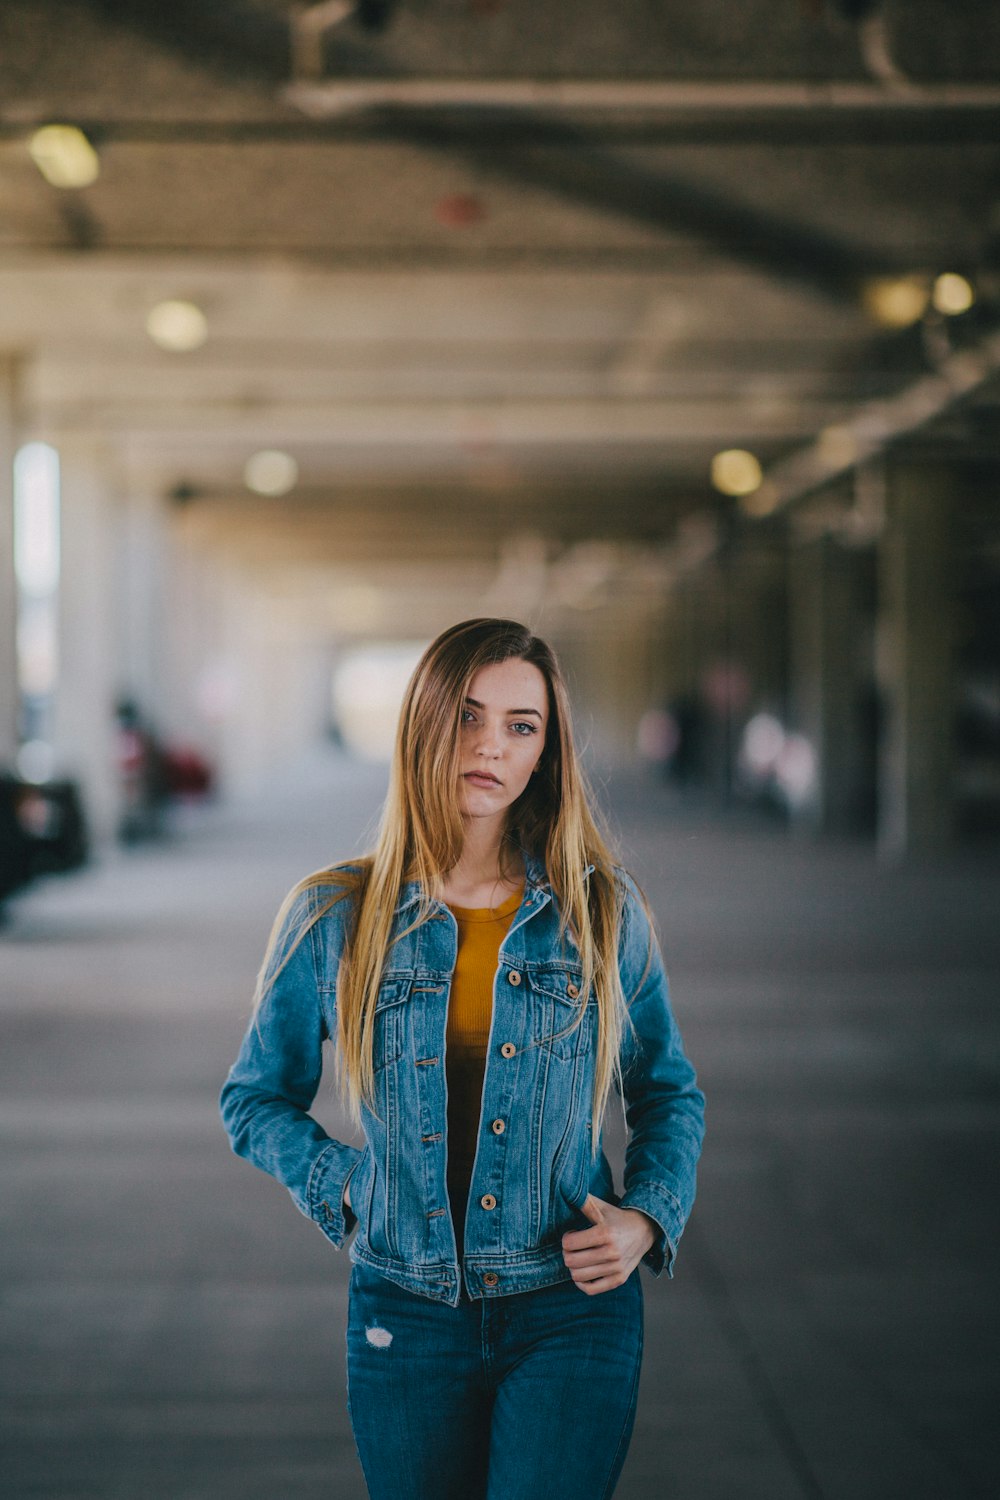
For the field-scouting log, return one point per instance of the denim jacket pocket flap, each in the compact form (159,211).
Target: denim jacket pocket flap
(559,982)
(558,1025)
(392,991)
(389,1028)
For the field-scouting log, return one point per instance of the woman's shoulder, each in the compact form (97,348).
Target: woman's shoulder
(332,889)
(629,890)
(620,880)
(637,928)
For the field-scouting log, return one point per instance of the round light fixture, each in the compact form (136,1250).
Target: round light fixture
(952,294)
(270,472)
(177,326)
(736,472)
(897,301)
(64,156)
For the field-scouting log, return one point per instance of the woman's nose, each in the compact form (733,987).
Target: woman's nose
(488,742)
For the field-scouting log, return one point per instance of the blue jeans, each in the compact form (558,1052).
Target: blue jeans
(509,1398)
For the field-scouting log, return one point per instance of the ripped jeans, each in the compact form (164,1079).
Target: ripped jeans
(508,1398)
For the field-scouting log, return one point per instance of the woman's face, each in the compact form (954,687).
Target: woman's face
(503,736)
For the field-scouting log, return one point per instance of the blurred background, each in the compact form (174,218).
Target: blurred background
(673,331)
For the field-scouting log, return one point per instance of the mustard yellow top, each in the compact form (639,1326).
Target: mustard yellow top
(481,930)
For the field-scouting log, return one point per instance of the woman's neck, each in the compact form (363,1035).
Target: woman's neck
(488,869)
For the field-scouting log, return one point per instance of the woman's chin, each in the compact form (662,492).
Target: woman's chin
(477,802)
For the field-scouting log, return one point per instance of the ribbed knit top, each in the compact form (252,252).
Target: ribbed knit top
(481,930)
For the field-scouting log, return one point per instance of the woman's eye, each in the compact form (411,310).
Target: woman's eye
(523,728)
(468,717)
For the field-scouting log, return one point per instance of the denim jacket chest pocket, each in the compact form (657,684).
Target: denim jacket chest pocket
(556,1004)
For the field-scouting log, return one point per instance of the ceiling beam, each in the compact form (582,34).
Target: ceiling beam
(879,425)
(470,427)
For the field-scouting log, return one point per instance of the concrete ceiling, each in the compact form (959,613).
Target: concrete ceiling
(546,312)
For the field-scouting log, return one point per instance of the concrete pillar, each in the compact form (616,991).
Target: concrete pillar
(611,661)
(143,559)
(246,670)
(9,701)
(830,627)
(198,689)
(711,602)
(698,623)
(283,707)
(915,646)
(90,677)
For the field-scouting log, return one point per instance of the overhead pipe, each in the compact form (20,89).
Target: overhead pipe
(335,97)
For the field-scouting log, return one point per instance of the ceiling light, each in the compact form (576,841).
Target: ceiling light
(270,472)
(736,472)
(897,301)
(952,294)
(64,156)
(177,326)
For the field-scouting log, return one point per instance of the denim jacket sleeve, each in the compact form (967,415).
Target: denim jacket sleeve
(266,1097)
(664,1107)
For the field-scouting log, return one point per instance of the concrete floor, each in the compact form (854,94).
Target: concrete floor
(173,1329)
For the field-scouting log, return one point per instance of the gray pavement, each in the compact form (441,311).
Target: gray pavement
(173,1329)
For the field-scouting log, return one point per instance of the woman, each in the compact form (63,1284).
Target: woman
(489,976)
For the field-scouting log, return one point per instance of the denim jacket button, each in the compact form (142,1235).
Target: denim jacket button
(488,1201)
(498,1127)
(513,977)
(573,991)
(508,1049)
(490,1278)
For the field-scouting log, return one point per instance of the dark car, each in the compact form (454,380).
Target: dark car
(42,830)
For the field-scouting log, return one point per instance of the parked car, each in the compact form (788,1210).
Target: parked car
(42,830)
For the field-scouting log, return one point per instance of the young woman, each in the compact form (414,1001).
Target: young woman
(489,977)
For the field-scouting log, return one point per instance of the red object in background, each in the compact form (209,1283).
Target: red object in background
(186,772)
(458,210)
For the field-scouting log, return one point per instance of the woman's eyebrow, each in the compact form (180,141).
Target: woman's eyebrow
(475,703)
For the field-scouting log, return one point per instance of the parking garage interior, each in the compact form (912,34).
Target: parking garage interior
(674,333)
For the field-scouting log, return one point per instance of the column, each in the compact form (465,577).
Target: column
(143,560)
(90,642)
(8,580)
(915,646)
(830,630)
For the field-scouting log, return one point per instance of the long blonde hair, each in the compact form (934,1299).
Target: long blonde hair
(421,837)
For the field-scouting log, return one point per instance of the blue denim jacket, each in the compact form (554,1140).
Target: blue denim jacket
(534,1165)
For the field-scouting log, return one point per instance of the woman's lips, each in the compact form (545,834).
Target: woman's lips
(481,778)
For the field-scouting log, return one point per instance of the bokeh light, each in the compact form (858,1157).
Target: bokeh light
(896,301)
(952,294)
(736,472)
(270,472)
(177,326)
(64,156)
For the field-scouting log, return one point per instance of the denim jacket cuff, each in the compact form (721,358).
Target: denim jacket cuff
(325,1192)
(660,1205)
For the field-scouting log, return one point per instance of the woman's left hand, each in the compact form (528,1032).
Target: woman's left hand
(606,1255)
